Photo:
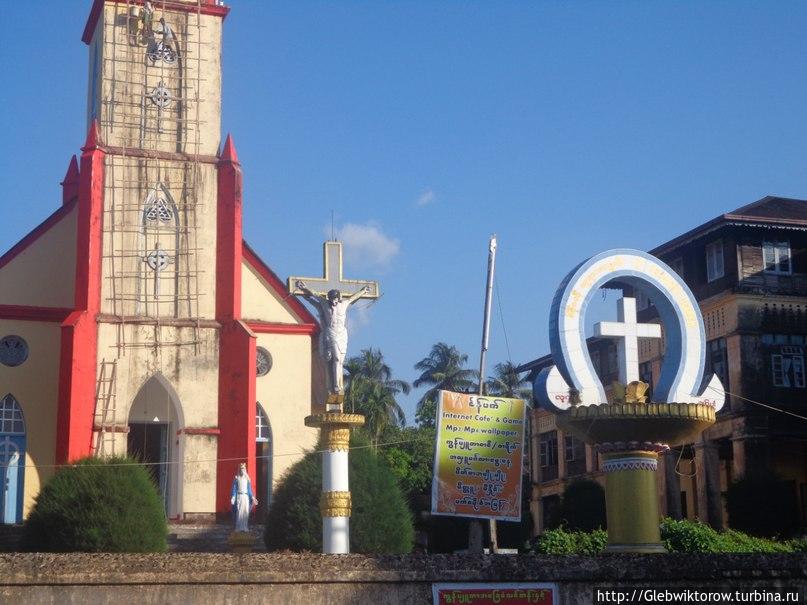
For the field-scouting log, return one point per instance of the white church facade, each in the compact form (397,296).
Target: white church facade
(135,319)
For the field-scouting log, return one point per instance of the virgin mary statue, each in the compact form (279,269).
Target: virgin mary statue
(242,499)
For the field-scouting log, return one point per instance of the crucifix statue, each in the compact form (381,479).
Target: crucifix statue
(627,332)
(331,294)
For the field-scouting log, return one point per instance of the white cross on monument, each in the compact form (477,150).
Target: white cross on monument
(627,333)
(332,276)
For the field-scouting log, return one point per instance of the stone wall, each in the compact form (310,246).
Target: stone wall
(307,578)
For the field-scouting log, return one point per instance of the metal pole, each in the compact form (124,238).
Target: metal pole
(486,324)
(475,526)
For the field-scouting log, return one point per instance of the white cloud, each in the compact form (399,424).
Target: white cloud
(426,198)
(358,317)
(367,246)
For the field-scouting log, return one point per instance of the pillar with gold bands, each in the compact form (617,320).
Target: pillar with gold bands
(335,502)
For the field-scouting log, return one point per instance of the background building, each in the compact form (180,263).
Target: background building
(748,271)
(135,319)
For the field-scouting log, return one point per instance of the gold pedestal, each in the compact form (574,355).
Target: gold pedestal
(631,502)
(241,542)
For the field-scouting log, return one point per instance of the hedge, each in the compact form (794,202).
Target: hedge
(98,505)
(677,536)
(380,523)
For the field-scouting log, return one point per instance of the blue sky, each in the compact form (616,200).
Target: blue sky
(565,127)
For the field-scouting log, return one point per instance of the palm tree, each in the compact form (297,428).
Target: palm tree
(370,364)
(371,390)
(443,369)
(506,382)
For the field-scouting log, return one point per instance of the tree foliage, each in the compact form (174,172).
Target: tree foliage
(506,382)
(98,505)
(443,369)
(371,390)
(411,458)
(380,523)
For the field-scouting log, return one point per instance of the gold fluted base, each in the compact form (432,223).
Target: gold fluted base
(242,542)
(335,504)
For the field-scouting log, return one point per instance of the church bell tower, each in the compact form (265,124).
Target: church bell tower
(160,223)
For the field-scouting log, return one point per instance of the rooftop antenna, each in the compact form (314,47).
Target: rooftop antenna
(333,233)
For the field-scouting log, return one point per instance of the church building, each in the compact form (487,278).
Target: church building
(135,319)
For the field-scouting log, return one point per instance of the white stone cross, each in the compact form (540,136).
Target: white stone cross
(332,277)
(627,333)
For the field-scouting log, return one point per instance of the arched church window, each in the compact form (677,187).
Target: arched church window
(263,458)
(262,430)
(13,350)
(263,361)
(11,420)
(158,287)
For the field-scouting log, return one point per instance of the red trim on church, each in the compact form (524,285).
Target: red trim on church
(237,402)
(70,182)
(207,7)
(274,282)
(210,431)
(79,343)
(36,233)
(228,235)
(29,313)
(237,343)
(265,327)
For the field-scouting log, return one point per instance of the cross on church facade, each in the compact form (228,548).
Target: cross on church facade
(332,276)
(627,332)
(157,260)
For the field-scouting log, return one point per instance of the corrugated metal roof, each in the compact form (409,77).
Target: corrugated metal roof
(769,211)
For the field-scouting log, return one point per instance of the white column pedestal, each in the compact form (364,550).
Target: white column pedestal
(336,535)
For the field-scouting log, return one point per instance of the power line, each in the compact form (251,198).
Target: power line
(218,460)
(764,405)
(501,318)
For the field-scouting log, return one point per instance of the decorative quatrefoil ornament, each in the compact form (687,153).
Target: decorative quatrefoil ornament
(159,210)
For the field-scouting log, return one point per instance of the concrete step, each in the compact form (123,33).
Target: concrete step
(181,537)
(207,538)
(10,538)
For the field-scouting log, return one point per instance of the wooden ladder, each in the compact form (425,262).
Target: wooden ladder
(105,409)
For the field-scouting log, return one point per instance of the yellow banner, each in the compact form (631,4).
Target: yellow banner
(479,456)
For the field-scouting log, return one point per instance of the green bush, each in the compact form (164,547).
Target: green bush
(583,505)
(798,545)
(689,536)
(381,521)
(677,536)
(693,536)
(762,505)
(98,505)
(563,542)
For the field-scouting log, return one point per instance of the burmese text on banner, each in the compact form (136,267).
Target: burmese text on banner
(478,457)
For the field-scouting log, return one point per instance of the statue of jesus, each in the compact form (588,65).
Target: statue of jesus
(333,316)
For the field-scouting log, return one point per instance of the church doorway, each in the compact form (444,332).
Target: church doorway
(263,459)
(12,460)
(155,421)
